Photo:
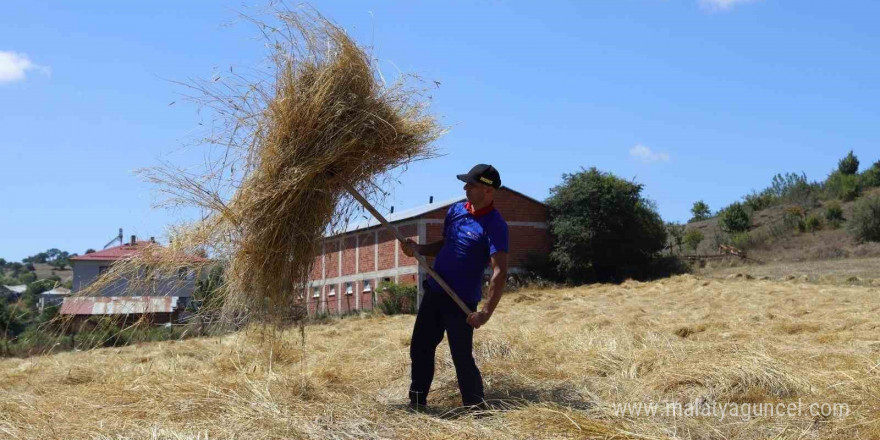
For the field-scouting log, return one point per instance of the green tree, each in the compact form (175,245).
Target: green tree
(27,278)
(846,187)
(676,235)
(692,238)
(605,230)
(849,164)
(864,223)
(12,321)
(735,219)
(871,176)
(700,211)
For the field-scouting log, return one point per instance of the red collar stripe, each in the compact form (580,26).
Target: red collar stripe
(480,212)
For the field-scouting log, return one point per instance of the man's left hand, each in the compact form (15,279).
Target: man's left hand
(477,319)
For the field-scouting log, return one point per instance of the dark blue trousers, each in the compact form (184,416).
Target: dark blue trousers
(438,313)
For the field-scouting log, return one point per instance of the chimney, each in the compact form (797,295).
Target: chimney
(133,239)
(392,210)
(430,200)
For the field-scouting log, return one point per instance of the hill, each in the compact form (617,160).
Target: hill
(771,241)
(557,364)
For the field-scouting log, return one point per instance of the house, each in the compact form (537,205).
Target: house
(165,300)
(352,263)
(53,297)
(12,293)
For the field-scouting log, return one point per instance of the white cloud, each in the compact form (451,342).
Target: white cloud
(646,155)
(722,5)
(14,66)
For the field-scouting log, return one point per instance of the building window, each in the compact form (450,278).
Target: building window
(349,289)
(332,291)
(367,287)
(316,292)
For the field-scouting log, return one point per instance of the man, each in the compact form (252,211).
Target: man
(474,234)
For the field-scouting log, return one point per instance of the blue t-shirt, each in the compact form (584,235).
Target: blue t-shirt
(469,241)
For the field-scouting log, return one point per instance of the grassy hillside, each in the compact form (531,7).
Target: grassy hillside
(556,364)
(773,242)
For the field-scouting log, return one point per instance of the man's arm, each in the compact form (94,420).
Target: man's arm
(427,250)
(496,289)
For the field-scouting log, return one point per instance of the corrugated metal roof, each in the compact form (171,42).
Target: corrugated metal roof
(118,305)
(58,291)
(414,212)
(399,216)
(17,289)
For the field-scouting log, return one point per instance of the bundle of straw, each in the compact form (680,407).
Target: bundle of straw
(322,116)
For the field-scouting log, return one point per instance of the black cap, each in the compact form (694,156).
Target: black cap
(484,174)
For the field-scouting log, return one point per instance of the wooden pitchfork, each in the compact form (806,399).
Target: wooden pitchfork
(421,259)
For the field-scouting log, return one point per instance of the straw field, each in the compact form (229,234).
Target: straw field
(556,364)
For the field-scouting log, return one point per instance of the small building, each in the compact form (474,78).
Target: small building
(12,293)
(352,263)
(159,309)
(165,298)
(53,297)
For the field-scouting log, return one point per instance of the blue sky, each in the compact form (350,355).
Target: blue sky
(696,99)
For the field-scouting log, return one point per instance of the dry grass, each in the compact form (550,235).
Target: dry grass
(555,363)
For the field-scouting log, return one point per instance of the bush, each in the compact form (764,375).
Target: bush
(741,241)
(397,299)
(757,201)
(700,211)
(675,232)
(871,176)
(849,165)
(605,230)
(846,187)
(864,224)
(692,238)
(812,223)
(794,218)
(539,266)
(27,278)
(793,188)
(834,214)
(666,266)
(735,219)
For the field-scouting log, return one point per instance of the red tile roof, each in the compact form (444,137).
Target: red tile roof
(123,251)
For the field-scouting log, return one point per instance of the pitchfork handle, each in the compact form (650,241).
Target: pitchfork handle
(421,259)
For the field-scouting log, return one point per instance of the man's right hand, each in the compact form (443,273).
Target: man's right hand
(410,247)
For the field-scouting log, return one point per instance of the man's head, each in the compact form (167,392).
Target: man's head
(480,184)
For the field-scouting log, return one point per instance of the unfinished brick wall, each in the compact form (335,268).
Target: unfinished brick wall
(387,245)
(331,258)
(367,254)
(518,208)
(411,232)
(366,297)
(525,240)
(514,207)
(348,255)
(332,302)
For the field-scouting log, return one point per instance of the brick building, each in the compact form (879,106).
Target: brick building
(351,264)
